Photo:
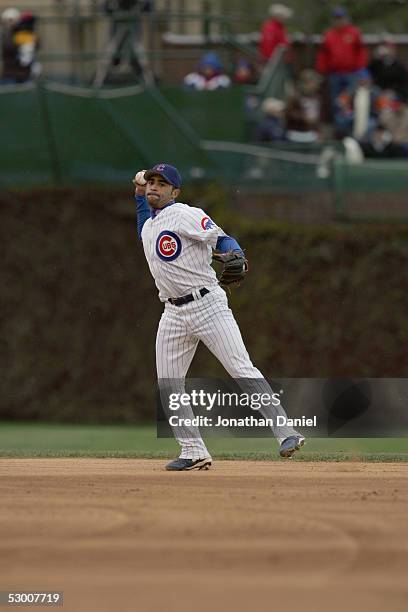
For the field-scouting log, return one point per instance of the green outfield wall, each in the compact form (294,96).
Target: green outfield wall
(79,309)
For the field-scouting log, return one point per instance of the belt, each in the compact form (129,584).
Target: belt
(187,298)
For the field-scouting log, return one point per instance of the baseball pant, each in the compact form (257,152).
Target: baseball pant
(210,320)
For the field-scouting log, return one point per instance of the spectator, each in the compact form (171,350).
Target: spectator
(303,109)
(357,108)
(28,43)
(390,138)
(272,126)
(381,144)
(396,122)
(387,71)
(9,19)
(244,73)
(19,45)
(273,32)
(209,75)
(341,54)
(387,101)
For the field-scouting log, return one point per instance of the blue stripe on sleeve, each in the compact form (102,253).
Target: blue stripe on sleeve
(227,243)
(143,213)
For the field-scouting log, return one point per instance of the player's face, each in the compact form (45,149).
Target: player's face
(159,192)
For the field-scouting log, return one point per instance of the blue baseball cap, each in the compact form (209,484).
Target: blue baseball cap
(211,59)
(339,11)
(169,173)
(363,73)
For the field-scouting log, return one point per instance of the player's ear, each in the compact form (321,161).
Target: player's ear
(176,193)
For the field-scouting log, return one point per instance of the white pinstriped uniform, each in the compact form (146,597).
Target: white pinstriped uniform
(178,244)
(191,268)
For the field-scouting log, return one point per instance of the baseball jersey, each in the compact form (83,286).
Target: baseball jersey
(178,241)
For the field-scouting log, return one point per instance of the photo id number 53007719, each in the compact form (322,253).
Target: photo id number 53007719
(31,598)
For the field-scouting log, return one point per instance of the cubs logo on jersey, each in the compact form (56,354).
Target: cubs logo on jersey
(168,246)
(206,223)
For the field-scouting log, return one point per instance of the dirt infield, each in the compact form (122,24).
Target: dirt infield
(122,535)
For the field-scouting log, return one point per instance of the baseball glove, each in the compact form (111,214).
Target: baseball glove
(235,267)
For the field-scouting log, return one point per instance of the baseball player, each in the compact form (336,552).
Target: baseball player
(178,241)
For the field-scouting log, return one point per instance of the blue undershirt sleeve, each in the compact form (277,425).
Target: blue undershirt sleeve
(227,243)
(143,213)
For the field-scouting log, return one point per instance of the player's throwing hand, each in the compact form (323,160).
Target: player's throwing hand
(140,183)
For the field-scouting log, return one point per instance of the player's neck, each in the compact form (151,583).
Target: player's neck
(156,211)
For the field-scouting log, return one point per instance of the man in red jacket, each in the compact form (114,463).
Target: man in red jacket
(341,54)
(273,32)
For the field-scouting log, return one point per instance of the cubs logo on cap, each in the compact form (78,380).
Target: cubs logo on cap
(168,246)
(170,174)
(206,223)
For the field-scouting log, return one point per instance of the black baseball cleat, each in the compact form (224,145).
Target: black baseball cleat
(180,465)
(290,445)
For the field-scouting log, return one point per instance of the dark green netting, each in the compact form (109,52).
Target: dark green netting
(63,135)
(214,115)
(25,156)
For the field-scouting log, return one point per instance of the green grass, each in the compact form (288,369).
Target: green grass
(60,440)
